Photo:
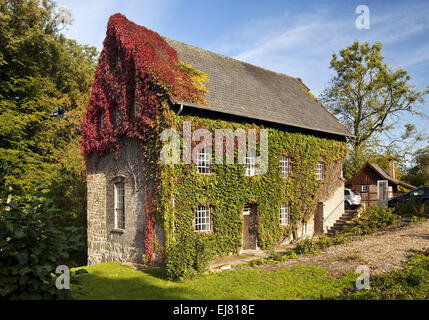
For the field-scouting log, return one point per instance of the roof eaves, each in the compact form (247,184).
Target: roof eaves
(197,106)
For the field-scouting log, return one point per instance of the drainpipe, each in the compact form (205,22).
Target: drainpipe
(180,110)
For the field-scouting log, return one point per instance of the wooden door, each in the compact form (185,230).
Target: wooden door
(318,219)
(249,227)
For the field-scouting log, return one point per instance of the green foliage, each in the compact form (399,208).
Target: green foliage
(411,282)
(316,244)
(372,219)
(413,208)
(367,95)
(32,245)
(191,255)
(418,174)
(118,282)
(227,190)
(44,89)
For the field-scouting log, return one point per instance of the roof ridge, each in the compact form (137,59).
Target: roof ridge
(241,61)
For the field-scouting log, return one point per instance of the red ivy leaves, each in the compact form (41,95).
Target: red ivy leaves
(135,63)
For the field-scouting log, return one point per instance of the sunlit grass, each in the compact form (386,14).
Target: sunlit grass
(115,281)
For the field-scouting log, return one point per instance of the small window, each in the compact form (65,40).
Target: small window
(202,219)
(365,188)
(100,121)
(116,115)
(250,166)
(246,210)
(203,161)
(346,192)
(284,215)
(135,108)
(284,162)
(319,171)
(119,205)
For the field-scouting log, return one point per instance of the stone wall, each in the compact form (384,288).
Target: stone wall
(105,243)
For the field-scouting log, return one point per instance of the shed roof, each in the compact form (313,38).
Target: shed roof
(384,175)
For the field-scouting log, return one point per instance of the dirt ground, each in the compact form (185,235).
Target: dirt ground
(382,252)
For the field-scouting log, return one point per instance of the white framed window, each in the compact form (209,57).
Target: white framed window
(119,205)
(284,163)
(250,166)
(320,170)
(284,215)
(365,188)
(203,219)
(203,161)
(246,210)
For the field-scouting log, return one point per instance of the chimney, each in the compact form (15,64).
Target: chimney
(392,168)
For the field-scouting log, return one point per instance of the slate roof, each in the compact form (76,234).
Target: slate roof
(385,175)
(239,88)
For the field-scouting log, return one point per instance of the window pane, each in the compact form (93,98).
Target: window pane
(119,205)
(202,219)
(284,161)
(284,215)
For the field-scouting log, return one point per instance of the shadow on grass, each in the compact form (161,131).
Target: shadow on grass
(125,283)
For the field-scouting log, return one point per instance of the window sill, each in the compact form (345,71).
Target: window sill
(204,232)
(118,230)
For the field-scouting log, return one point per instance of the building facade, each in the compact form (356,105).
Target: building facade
(141,209)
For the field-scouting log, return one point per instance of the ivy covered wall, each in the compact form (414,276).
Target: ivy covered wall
(137,74)
(227,189)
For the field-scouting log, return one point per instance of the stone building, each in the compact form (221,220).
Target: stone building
(120,183)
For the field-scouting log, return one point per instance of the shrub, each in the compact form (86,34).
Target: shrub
(189,256)
(32,245)
(412,208)
(411,282)
(372,219)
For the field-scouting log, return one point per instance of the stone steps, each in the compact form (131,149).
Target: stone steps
(345,219)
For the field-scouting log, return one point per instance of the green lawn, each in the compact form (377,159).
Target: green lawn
(115,281)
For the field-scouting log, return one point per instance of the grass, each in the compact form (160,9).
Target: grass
(115,281)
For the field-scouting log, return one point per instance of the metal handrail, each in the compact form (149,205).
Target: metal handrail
(324,219)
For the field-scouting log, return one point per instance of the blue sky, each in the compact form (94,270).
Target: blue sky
(297,38)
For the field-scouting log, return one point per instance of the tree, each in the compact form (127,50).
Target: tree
(368,96)
(45,83)
(32,245)
(418,174)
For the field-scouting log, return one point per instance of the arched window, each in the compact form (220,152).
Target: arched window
(119,207)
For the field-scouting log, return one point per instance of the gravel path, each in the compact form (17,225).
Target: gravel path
(382,252)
